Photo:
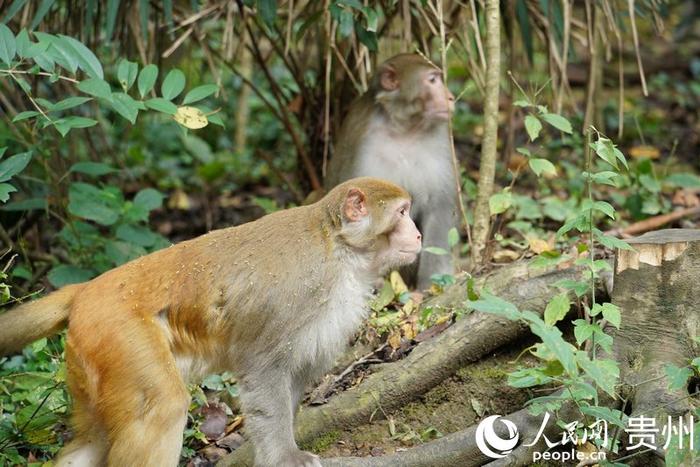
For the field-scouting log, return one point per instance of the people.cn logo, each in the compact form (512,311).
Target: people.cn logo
(490,443)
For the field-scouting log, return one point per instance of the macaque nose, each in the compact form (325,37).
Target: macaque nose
(419,237)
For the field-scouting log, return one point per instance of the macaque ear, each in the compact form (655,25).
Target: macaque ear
(355,207)
(388,79)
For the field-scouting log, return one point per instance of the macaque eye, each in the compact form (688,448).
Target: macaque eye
(402,211)
(433,79)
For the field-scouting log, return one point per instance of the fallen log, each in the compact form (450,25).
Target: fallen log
(468,340)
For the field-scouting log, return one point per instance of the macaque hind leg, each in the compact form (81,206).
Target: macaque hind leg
(268,400)
(142,399)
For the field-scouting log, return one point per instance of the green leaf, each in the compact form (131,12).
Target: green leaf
(44,8)
(612,314)
(12,10)
(161,105)
(583,330)
(94,169)
(64,125)
(136,234)
(604,372)
(23,43)
(60,51)
(533,127)
(199,93)
(554,342)
(558,122)
(435,250)
(612,242)
(604,207)
(683,180)
(267,10)
(524,151)
(69,103)
(494,305)
(25,115)
(125,106)
(149,199)
(612,416)
(87,61)
(147,78)
(8,45)
(500,202)
(346,23)
(65,274)
(605,177)
(173,84)
(96,87)
(677,377)
(5,190)
(540,166)
(556,309)
(452,237)
(88,202)
(112,10)
(14,165)
(126,73)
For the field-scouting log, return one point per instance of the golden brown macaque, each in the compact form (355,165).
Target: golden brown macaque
(398,130)
(273,300)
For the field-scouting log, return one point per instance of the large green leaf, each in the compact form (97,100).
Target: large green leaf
(199,93)
(14,165)
(89,202)
(125,106)
(87,61)
(173,84)
(96,87)
(65,274)
(147,78)
(8,45)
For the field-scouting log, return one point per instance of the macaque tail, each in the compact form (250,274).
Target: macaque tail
(36,319)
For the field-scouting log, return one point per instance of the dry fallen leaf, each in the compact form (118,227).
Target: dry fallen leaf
(537,245)
(394,340)
(190,117)
(504,256)
(397,283)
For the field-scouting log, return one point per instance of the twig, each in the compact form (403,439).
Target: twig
(298,195)
(655,222)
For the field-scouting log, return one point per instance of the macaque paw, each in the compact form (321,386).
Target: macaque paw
(300,458)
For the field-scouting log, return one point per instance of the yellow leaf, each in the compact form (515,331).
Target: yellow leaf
(538,245)
(179,200)
(648,152)
(397,283)
(408,330)
(190,117)
(394,340)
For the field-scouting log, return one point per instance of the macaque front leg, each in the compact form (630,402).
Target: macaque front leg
(268,401)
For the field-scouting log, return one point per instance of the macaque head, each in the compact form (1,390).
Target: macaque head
(375,222)
(411,91)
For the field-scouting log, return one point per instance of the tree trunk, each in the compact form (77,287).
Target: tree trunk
(487,168)
(656,288)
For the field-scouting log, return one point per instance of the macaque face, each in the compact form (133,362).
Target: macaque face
(385,228)
(404,239)
(439,101)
